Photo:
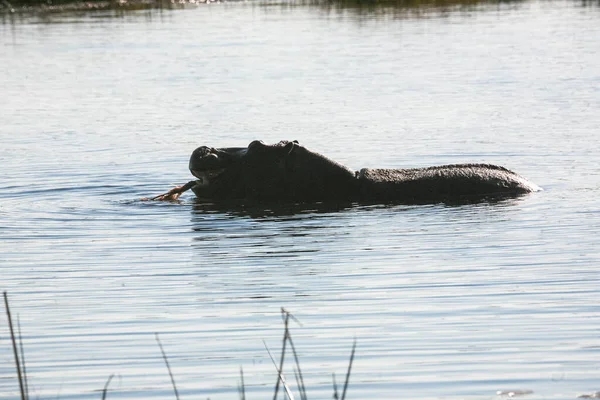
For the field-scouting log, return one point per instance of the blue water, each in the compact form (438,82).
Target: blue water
(98,111)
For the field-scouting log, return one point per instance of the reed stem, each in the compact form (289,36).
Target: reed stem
(14,344)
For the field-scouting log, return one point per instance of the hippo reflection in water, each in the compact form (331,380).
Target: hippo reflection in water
(289,172)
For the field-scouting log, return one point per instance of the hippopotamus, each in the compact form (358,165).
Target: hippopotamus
(289,172)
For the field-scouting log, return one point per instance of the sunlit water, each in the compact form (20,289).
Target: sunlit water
(444,302)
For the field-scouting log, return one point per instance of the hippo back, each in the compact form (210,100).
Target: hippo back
(442,183)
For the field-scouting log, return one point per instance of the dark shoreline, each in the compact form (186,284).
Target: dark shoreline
(57,6)
(397,8)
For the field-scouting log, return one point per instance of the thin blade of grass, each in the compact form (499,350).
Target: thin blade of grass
(14,344)
(23,358)
(168,366)
(280,374)
(292,316)
(283,346)
(300,381)
(302,390)
(242,387)
(349,369)
(297,381)
(335,388)
(105,389)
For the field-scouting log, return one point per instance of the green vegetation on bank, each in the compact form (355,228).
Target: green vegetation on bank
(419,6)
(405,8)
(400,6)
(75,5)
(57,6)
(410,3)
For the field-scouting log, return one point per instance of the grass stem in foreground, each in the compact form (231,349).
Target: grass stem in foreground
(281,377)
(106,386)
(168,367)
(14,344)
(349,369)
(242,387)
(23,358)
(283,346)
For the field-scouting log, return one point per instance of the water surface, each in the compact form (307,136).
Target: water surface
(445,302)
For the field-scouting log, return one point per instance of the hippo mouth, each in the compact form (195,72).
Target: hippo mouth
(210,165)
(206,176)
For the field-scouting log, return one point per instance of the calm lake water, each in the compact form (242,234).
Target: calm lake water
(97,111)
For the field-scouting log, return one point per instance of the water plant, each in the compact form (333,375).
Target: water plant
(19,360)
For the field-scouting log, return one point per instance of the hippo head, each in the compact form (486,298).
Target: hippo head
(219,172)
(285,171)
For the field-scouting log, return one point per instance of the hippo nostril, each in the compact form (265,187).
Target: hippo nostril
(202,151)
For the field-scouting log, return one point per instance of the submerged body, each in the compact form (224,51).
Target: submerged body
(289,172)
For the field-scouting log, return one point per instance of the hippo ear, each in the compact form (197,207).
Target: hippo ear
(256,143)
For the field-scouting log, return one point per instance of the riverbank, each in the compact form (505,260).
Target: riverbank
(57,6)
